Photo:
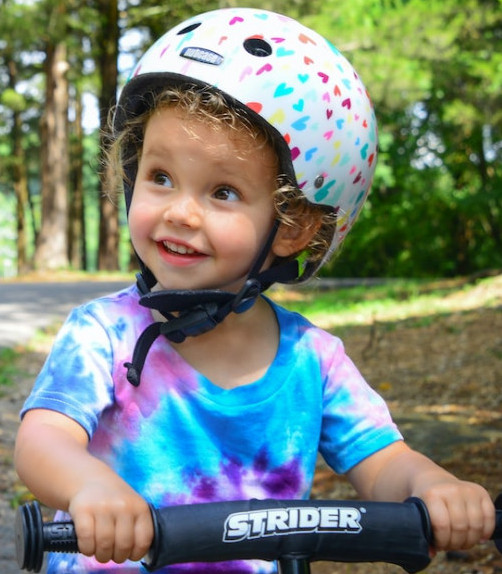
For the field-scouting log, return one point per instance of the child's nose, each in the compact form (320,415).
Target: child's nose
(184,210)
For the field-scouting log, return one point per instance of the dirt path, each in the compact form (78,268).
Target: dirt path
(11,400)
(443,380)
(442,377)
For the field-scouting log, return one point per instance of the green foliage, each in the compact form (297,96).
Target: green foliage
(433,69)
(91,207)
(8,369)
(434,73)
(7,236)
(13,100)
(417,300)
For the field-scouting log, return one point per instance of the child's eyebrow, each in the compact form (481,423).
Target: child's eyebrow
(156,150)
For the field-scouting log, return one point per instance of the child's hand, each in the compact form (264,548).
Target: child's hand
(462,513)
(112,521)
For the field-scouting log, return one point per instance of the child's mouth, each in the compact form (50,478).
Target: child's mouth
(177,249)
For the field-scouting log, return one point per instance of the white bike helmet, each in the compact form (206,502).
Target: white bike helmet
(292,80)
(297,86)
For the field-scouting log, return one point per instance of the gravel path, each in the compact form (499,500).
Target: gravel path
(26,307)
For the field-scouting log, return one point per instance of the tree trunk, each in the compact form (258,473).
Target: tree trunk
(22,199)
(76,228)
(108,251)
(19,176)
(52,245)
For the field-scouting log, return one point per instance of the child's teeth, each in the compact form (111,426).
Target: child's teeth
(181,249)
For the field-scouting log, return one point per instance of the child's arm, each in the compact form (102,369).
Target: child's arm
(112,521)
(462,513)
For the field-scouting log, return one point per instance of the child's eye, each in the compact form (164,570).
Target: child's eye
(161,178)
(226,194)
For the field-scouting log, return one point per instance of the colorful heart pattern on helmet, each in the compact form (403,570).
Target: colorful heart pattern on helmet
(294,79)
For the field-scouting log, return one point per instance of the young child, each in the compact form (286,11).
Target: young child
(246,144)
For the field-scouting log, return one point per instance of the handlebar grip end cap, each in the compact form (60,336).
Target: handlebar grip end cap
(29,537)
(424,513)
(497,534)
(151,559)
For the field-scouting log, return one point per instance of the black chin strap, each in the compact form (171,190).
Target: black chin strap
(191,313)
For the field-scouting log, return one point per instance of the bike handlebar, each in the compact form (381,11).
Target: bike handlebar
(341,531)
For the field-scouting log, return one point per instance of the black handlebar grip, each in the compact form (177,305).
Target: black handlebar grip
(34,537)
(497,533)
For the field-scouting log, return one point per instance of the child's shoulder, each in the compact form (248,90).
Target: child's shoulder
(123,299)
(112,309)
(297,325)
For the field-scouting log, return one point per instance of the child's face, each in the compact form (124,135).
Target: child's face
(202,204)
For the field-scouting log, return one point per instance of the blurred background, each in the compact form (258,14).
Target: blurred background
(433,70)
(430,341)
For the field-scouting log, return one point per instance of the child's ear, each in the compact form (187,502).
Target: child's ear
(290,240)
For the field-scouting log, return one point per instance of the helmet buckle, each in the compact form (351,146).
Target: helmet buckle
(250,290)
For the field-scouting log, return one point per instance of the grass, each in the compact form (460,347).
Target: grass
(389,301)
(8,367)
(12,359)
(393,300)
(68,275)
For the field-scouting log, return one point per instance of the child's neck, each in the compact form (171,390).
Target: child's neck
(238,351)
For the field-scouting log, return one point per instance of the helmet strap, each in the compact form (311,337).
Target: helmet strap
(189,313)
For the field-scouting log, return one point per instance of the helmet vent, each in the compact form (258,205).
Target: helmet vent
(258,47)
(319,181)
(188,29)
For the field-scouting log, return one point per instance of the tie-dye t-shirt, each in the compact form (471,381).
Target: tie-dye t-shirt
(178,438)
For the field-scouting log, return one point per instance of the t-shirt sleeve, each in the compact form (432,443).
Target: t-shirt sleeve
(356,419)
(76,379)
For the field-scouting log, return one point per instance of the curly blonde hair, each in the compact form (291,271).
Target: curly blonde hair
(214,110)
